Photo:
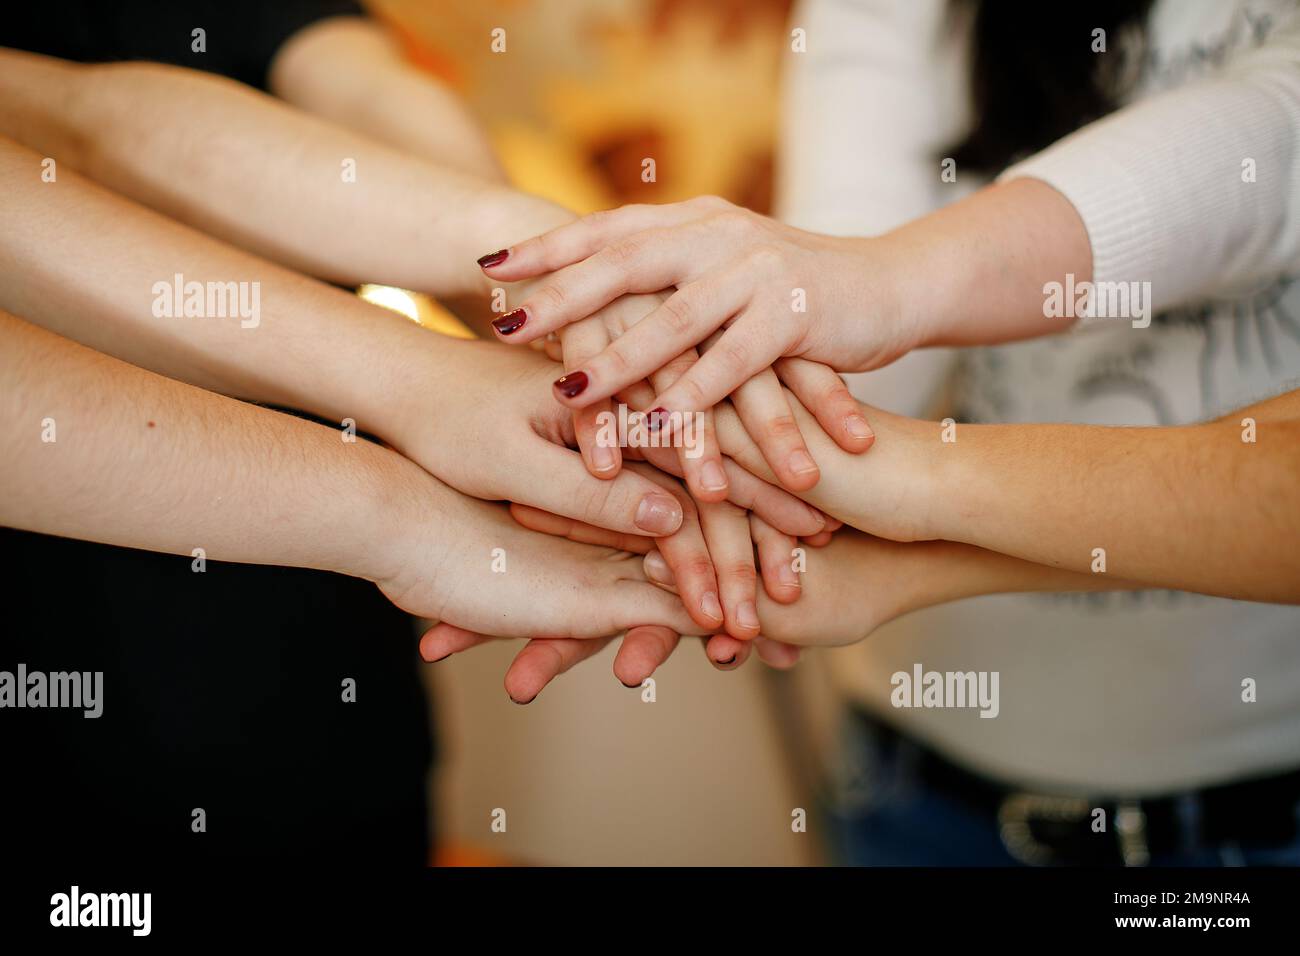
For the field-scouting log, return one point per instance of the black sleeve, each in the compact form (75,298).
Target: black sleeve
(241,37)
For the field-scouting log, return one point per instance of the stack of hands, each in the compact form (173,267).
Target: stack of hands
(504,498)
(702,392)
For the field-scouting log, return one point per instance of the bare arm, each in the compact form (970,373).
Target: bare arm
(1194,507)
(245,167)
(352,71)
(98,449)
(141,461)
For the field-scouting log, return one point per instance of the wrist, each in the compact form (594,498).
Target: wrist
(875,302)
(399,524)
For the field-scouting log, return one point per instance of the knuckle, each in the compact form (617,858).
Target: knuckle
(623,252)
(767,259)
(733,220)
(677,314)
(734,355)
(739,571)
(553,297)
(691,391)
(782,426)
(615,362)
(836,392)
(593,499)
(711,203)
(697,565)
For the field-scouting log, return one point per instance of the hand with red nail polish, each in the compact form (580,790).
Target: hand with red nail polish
(481,418)
(761,403)
(765,291)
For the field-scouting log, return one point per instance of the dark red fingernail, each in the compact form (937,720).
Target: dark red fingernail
(493,259)
(511,322)
(571,385)
(657,418)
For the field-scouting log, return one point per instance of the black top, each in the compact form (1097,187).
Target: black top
(223,689)
(240,37)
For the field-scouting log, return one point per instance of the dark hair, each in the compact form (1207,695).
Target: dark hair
(1034,75)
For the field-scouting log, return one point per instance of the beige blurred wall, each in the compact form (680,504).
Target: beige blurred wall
(589,774)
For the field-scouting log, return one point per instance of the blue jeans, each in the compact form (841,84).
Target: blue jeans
(880,812)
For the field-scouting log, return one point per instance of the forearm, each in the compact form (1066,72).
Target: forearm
(1194,507)
(101,450)
(90,265)
(973,273)
(351,71)
(937,572)
(279,182)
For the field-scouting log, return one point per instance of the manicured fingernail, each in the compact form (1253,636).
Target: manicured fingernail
(801,462)
(511,322)
(657,418)
(857,427)
(493,259)
(603,458)
(658,514)
(729,660)
(712,477)
(711,607)
(656,568)
(571,385)
(747,614)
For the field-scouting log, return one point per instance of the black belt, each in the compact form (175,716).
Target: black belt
(1051,829)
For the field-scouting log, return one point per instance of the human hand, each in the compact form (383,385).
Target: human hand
(784,292)
(451,558)
(759,401)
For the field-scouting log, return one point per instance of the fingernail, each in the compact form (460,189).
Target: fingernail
(729,660)
(602,458)
(630,686)
(511,322)
(711,607)
(658,514)
(747,614)
(801,462)
(712,477)
(571,385)
(523,702)
(787,575)
(657,418)
(857,427)
(443,658)
(656,568)
(493,259)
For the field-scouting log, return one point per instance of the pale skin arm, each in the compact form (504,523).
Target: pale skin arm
(142,461)
(1193,507)
(86,263)
(146,462)
(352,71)
(275,184)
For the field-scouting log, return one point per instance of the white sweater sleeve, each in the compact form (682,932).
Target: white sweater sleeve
(867,109)
(1164,185)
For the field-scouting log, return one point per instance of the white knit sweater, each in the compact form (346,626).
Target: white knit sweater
(1103,694)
